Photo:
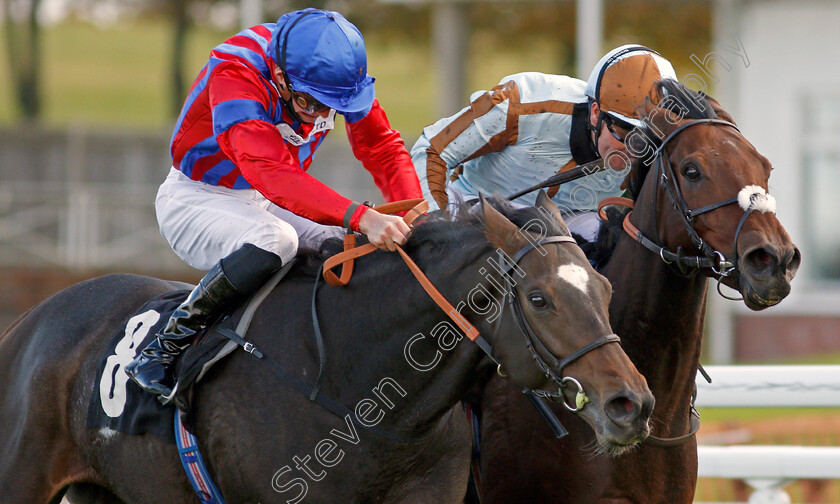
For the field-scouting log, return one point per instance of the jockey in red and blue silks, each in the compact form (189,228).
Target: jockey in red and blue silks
(238,201)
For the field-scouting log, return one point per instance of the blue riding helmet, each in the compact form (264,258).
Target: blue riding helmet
(323,55)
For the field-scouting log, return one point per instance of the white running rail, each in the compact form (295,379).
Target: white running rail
(769,468)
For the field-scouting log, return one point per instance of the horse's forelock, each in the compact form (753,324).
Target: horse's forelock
(684,101)
(681,101)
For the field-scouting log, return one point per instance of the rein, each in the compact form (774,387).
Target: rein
(553,369)
(351,252)
(693,427)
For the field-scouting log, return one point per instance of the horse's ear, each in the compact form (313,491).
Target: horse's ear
(721,114)
(654,118)
(500,231)
(548,206)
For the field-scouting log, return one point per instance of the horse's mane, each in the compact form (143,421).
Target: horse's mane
(600,251)
(457,240)
(438,229)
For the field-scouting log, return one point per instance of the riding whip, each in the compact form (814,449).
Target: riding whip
(563,177)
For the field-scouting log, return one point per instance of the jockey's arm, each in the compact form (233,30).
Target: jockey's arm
(259,151)
(478,129)
(382,152)
(267,164)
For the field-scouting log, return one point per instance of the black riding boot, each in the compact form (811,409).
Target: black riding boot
(216,293)
(153,368)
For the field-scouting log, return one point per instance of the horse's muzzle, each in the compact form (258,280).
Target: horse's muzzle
(765,274)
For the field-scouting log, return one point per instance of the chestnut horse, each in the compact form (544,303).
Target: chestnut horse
(391,358)
(701,211)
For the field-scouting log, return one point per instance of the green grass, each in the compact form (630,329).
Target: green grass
(119,76)
(747,414)
(100,77)
(826,358)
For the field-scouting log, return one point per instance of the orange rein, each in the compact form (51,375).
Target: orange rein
(628,226)
(415,208)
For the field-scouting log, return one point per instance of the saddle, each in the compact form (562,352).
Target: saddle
(118,404)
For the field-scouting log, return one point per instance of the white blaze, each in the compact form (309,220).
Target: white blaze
(575,275)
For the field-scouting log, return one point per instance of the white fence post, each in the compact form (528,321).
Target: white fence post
(768,491)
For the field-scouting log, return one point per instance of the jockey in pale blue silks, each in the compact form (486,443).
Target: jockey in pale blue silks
(533,125)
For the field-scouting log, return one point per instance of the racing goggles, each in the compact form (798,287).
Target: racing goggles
(309,104)
(618,129)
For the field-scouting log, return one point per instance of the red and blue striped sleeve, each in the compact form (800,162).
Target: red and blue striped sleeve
(382,152)
(247,136)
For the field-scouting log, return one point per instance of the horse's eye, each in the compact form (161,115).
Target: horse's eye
(692,173)
(537,300)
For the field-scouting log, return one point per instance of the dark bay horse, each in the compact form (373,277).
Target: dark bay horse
(392,358)
(657,309)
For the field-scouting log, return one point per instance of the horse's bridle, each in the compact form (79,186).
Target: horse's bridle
(553,368)
(710,258)
(686,264)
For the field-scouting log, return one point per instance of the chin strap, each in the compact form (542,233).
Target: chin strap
(596,130)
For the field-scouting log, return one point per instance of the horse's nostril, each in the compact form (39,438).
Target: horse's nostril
(767,261)
(762,260)
(628,405)
(622,410)
(765,258)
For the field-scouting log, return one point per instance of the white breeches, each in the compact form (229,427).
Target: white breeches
(205,223)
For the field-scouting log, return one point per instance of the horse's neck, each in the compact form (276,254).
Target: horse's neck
(418,352)
(452,361)
(437,391)
(659,315)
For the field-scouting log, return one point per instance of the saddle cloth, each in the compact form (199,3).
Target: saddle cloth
(119,404)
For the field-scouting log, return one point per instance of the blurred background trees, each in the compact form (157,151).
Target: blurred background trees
(23,40)
(130,62)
